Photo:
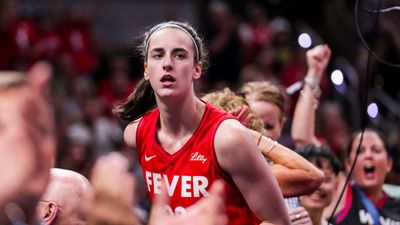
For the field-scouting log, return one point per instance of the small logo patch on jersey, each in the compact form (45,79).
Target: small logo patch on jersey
(198,157)
(148,158)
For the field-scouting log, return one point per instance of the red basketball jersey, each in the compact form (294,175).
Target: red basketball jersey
(189,173)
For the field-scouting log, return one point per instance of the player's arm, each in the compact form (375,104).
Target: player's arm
(303,125)
(295,175)
(130,134)
(237,154)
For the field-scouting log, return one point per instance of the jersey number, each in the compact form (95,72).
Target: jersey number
(179,211)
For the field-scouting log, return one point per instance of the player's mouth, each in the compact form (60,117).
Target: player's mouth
(167,78)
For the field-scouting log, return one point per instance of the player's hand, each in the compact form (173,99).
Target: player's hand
(243,114)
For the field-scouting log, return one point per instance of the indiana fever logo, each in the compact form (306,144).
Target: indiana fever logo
(184,186)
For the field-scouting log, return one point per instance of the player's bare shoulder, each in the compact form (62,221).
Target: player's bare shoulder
(232,136)
(229,132)
(130,133)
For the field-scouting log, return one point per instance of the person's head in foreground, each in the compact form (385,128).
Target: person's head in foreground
(27,144)
(61,203)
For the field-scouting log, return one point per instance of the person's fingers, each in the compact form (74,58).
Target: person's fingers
(297,210)
(113,169)
(328,52)
(299,216)
(127,188)
(158,212)
(319,53)
(218,193)
(39,76)
(295,213)
(212,207)
(248,119)
(161,201)
(243,114)
(303,221)
(323,54)
(235,112)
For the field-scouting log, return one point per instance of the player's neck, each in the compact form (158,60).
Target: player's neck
(182,118)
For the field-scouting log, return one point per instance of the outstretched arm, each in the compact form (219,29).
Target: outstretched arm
(303,126)
(295,175)
(237,154)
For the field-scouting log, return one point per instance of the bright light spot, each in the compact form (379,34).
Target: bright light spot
(337,77)
(304,40)
(372,110)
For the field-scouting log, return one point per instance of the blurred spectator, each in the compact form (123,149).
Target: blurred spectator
(282,40)
(116,86)
(76,152)
(255,32)
(49,44)
(394,150)
(224,46)
(333,128)
(316,202)
(366,201)
(21,34)
(295,69)
(77,35)
(106,132)
(263,68)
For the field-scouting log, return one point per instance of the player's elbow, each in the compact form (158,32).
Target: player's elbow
(314,180)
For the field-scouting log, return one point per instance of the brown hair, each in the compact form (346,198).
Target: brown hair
(265,91)
(355,135)
(142,99)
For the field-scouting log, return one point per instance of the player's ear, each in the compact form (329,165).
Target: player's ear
(48,212)
(145,74)
(197,70)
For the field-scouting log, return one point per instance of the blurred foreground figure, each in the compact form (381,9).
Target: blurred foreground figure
(112,199)
(27,145)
